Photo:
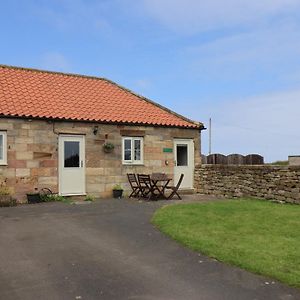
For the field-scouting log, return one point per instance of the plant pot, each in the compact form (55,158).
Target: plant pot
(108,147)
(117,193)
(108,150)
(5,201)
(34,198)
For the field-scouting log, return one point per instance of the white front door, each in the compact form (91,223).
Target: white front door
(184,162)
(71,165)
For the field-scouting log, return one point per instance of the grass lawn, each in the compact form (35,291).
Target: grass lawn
(259,236)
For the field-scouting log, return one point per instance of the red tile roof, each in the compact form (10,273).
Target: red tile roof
(43,94)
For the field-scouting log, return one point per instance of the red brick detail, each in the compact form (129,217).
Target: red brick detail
(13,163)
(49,163)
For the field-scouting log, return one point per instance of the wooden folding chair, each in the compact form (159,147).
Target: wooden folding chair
(134,185)
(145,185)
(175,188)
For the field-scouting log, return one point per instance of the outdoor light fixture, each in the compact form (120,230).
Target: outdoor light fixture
(95,130)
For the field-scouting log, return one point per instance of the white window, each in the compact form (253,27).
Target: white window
(132,150)
(3,148)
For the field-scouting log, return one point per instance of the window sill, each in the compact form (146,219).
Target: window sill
(133,164)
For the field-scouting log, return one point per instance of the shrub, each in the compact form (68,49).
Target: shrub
(117,187)
(7,201)
(89,198)
(4,191)
(5,197)
(280,163)
(52,198)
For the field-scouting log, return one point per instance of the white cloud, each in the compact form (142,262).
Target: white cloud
(142,84)
(191,16)
(273,50)
(55,61)
(266,124)
(75,15)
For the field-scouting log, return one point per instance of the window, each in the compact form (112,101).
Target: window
(132,150)
(71,154)
(3,148)
(182,155)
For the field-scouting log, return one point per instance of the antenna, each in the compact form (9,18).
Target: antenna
(209,129)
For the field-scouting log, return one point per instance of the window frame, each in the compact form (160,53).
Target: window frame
(132,140)
(3,161)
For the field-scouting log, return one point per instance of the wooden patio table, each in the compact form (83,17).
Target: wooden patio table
(156,179)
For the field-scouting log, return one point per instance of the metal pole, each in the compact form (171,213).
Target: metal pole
(209,151)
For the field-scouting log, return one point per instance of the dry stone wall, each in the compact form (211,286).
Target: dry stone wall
(280,183)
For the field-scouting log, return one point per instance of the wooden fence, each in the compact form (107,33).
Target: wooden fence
(232,159)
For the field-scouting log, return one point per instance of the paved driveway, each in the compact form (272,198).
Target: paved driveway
(109,250)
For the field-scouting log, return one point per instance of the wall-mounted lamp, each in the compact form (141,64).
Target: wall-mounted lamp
(95,130)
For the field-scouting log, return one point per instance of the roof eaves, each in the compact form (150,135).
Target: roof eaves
(60,119)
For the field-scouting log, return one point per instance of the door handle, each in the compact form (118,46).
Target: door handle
(81,164)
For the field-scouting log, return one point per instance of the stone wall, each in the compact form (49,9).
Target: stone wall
(33,154)
(294,160)
(270,182)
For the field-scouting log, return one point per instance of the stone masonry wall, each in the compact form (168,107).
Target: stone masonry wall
(269,182)
(33,154)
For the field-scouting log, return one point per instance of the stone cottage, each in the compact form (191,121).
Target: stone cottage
(81,135)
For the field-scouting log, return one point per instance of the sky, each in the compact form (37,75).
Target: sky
(235,61)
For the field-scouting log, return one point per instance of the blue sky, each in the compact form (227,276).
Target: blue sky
(237,62)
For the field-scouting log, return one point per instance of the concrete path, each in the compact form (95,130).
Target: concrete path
(109,250)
